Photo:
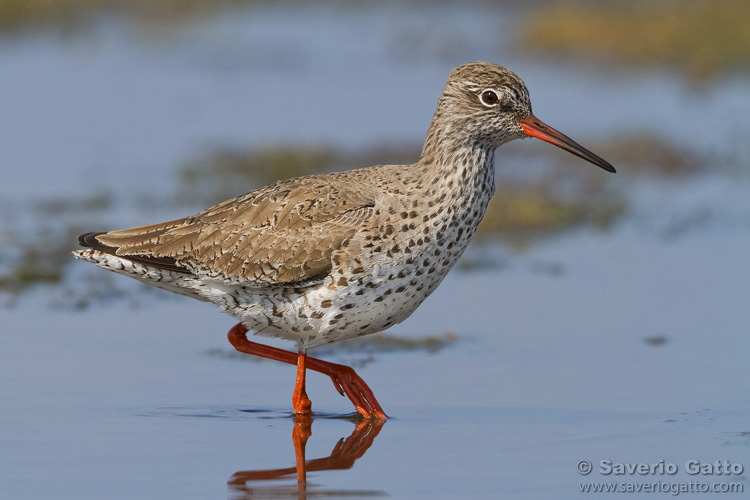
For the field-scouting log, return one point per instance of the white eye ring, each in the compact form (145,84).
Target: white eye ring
(489,98)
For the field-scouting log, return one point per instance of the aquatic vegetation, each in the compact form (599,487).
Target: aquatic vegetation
(361,350)
(20,15)
(35,245)
(552,194)
(519,213)
(219,174)
(383,342)
(34,259)
(528,208)
(649,155)
(559,195)
(35,266)
(699,38)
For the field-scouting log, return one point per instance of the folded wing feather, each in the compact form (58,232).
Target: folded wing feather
(281,234)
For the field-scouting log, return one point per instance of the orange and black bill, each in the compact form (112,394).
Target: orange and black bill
(534,127)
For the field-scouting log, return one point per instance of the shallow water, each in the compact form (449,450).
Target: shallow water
(628,345)
(548,371)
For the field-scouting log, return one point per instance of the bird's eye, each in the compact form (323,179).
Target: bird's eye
(489,98)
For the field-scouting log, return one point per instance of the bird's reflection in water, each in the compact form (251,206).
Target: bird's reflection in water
(343,456)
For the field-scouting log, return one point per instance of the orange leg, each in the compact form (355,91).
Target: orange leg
(344,378)
(302,404)
(342,457)
(300,434)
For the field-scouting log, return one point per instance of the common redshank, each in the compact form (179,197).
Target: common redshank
(323,258)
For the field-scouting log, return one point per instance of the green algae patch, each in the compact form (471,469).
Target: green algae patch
(540,193)
(699,38)
(66,16)
(530,208)
(361,350)
(522,213)
(215,176)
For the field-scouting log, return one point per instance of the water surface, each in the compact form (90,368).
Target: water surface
(627,345)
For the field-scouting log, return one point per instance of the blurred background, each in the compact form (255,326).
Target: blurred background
(601,293)
(116,113)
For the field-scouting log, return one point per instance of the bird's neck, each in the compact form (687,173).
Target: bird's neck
(455,180)
(456,165)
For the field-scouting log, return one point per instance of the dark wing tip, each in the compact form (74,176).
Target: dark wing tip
(89,240)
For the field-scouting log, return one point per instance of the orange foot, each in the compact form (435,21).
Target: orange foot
(344,378)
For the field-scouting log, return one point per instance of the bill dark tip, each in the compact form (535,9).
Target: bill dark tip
(534,127)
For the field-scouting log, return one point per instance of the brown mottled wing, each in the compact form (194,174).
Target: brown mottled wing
(281,234)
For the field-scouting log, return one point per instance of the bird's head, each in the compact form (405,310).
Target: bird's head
(491,105)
